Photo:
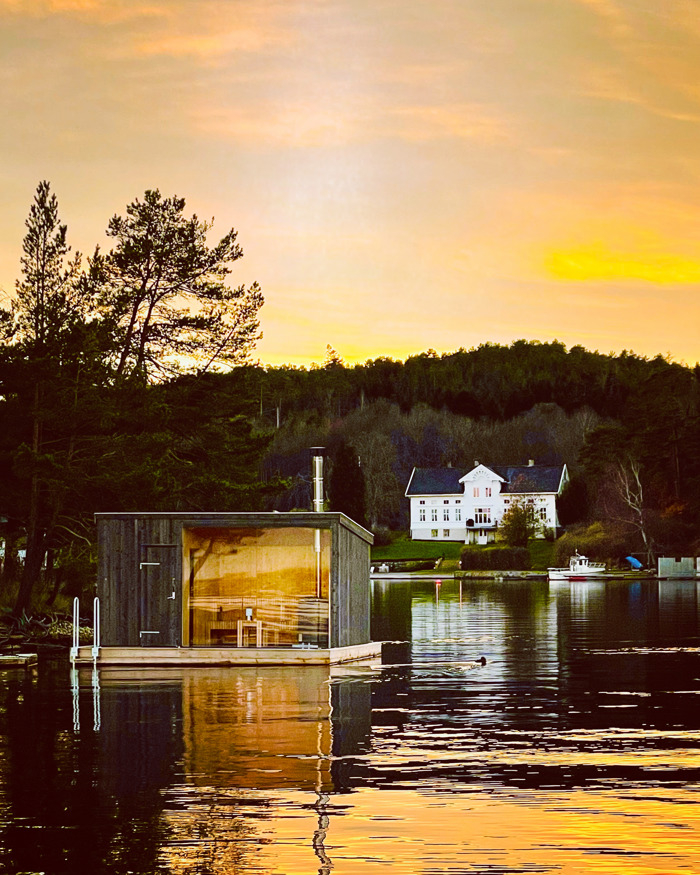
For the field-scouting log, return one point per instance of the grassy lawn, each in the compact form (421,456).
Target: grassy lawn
(403,548)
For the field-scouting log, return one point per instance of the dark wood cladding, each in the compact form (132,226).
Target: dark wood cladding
(140,568)
(350,599)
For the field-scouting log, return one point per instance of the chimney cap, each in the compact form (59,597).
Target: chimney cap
(317,451)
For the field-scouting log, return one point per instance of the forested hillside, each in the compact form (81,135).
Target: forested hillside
(627,428)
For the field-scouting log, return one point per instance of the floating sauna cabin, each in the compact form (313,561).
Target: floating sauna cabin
(219,588)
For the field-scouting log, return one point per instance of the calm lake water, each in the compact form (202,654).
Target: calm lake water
(575,748)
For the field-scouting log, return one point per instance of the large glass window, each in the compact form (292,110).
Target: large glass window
(257,587)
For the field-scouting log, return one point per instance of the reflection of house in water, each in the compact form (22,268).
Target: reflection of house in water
(221,588)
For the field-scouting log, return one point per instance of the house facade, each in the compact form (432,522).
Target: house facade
(449,504)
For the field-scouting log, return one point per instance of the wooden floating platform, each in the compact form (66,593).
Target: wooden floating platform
(18,660)
(211,656)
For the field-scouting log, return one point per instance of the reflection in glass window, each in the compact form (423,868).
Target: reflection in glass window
(257,587)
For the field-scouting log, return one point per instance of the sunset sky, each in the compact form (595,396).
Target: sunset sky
(403,175)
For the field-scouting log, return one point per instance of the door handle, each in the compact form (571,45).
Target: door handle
(172,596)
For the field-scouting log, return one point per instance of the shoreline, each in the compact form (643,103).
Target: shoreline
(500,576)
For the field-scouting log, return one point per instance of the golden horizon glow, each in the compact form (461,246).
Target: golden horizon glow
(598,262)
(402,176)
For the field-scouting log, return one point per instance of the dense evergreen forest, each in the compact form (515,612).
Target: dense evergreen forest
(127,384)
(626,427)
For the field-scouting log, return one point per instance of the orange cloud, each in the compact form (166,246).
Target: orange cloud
(611,13)
(208,45)
(322,121)
(597,262)
(211,29)
(102,11)
(462,121)
(611,85)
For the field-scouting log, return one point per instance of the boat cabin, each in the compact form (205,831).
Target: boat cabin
(219,588)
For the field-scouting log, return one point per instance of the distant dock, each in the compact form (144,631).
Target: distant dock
(18,660)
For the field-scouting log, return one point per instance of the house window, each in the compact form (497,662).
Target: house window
(433,533)
(458,501)
(543,513)
(476,492)
(421,501)
(458,514)
(445,533)
(446,514)
(433,514)
(487,491)
(482,515)
(446,501)
(421,514)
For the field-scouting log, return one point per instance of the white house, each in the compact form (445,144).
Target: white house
(448,504)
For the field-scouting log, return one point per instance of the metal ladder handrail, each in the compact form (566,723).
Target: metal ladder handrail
(76,630)
(96,630)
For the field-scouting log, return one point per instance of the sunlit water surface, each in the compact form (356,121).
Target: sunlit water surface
(575,748)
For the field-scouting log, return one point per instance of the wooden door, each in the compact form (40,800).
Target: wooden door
(161,595)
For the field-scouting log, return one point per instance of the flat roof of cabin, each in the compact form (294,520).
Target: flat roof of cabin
(269,519)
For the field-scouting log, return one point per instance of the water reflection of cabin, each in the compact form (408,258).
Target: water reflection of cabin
(232,588)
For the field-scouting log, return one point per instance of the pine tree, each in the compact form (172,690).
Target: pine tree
(347,484)
(163,294)
(46,311)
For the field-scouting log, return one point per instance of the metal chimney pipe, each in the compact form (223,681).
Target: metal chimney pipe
(317,474)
